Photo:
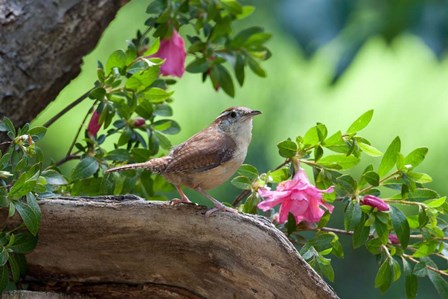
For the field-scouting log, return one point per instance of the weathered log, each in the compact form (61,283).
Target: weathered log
(115,247)
(42,45)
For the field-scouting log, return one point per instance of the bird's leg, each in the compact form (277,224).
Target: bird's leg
(218,205)
(183,197)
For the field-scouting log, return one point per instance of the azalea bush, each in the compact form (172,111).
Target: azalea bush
(387,208)
(130,105)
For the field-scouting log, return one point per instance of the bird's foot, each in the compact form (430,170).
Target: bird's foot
(221,208)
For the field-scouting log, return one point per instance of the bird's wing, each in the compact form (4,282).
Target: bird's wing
(203,151)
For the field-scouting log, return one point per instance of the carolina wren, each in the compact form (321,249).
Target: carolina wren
(208,158)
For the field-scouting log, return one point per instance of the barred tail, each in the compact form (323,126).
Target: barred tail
(156,165)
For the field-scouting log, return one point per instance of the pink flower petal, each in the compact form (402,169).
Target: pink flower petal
(94,125)
(297,196)
(376,202)
(174,53)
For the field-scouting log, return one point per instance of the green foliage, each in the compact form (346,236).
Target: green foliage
(216,47)
(23,179)
(410,229)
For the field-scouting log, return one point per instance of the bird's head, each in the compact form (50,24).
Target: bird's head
(236,120)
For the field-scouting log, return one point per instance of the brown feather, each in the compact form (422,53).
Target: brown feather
(205,150)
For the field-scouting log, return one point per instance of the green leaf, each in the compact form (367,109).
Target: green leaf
(278,175)
(242,182)
(164,142)
(257,39)
(37,133)
(287,148)
(411,281)
(7,126)
(199,65)
(426,248)
(141,80)
(232,6)
(222,76)
(14,266)
(372,178)
(242,36)
(339,161)
(87,167)
(255,67)
(250,206)
(239,69)
(325,267)
(116,59)
(30,218)
(360,233)
(87,187)
(416,157)
(390,157)
(24,243)
(324,219)
(435,203)
(401,226)
(346,183)
(383,278)
(4,256)
(420,269)
(419,177)
(396,269)
(291,224)
(25,183)
(437,280)
(248,170)
(155,45)
(353,215)
(369,150)
(118,154)
(315,135)
(4,278)
(361,122)
(167,126)
(54,178)
(157,95)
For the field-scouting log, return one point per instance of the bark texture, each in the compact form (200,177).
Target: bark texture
(42,45)
(125,247)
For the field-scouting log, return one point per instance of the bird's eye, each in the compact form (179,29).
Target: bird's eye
(233,114)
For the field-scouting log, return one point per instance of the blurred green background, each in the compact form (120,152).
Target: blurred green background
(401,79)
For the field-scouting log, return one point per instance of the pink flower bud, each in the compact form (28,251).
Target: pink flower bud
(393,239)
(94,125)
(138,122)
(376,202)
(173,51)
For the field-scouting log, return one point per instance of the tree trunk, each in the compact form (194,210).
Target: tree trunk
(125,247)
(42,45)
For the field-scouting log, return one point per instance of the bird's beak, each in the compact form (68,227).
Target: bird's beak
(254,112)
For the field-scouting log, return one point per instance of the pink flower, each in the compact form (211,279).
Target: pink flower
(376,202)
(296,196)
(173,51)
(94,125)
(393,239)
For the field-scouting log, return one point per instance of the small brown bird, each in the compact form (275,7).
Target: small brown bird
(208,158)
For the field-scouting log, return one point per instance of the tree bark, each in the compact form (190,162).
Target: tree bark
(42,45)
(125,247)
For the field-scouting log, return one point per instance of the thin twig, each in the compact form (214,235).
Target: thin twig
(67,158)
(421,237)
(427,267)
(69,152)
(68,108)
